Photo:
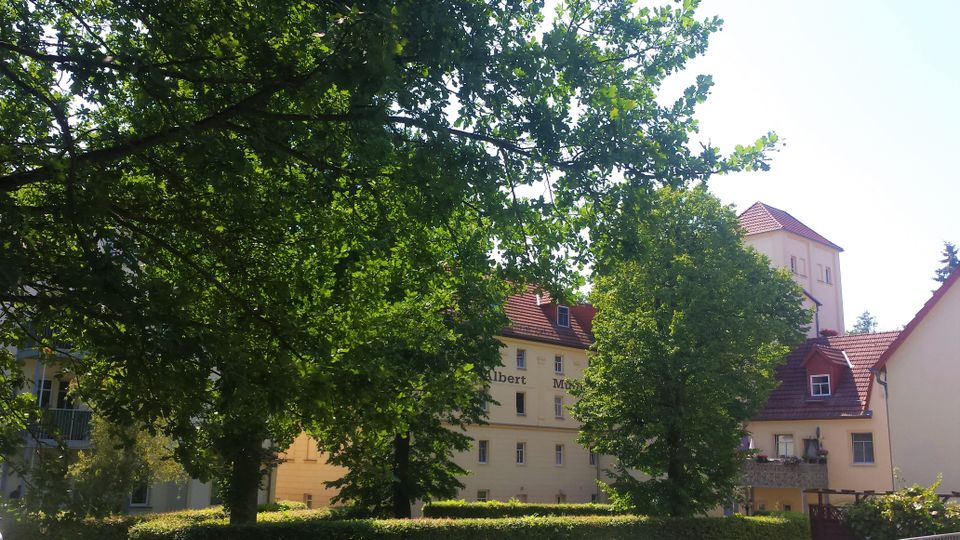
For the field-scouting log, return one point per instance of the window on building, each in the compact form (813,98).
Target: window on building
(483,448)
(483,495)
(558,364)
(828,275)
(485,406)
(803,266)
(787,508)
(561,498)
(793,264)
(563,316)
(819,385)
(558,454)
(863,447)
(594,498)
(811,448)
(63,396)
(521,359)
(311,452)
(43,393)
(140,496)
(593,459)
(521,453)
(785,446)
(308,499)
(521,404)
(558,406)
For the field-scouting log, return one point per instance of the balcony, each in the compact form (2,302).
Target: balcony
(70,425)
(784,474)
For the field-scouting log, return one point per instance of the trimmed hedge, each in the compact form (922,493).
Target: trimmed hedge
(497,509)
(297,527)
(16,526)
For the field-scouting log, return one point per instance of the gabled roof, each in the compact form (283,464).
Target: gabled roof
(538,322)
(918,318)
(851,395)
(761,218)
(832,355)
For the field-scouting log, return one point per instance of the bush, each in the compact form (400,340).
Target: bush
(280,506)
(497,509)
(296,527)
(913,511)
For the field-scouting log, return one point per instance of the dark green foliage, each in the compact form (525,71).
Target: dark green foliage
(546,528)
(497,509)
(913,511)
(866,323)
(690,327)
(219,202)
(950,262)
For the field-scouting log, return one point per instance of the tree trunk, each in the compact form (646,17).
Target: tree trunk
(401,470)
(245,474)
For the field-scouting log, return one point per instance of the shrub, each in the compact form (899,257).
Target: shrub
(279,506)
(497,509)
(913,511)
(293,527)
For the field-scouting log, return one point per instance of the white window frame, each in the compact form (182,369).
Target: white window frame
(558,455)
(566,312)
(793,264)
(146,500)
(483,495)
(789,443)
(829,276)
(819,385)
(521,402)
(558,364)
(558,407)
(308,499)
(521,359)
(521,453)
(854,442)
(483,452)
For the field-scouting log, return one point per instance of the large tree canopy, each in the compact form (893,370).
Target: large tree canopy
(210,199)
(690,325)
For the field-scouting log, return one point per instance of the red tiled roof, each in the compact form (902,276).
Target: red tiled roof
(539,322)
(918,318)
(851,395)
(761,218)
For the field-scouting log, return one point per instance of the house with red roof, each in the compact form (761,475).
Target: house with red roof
(824,427)
(920,373)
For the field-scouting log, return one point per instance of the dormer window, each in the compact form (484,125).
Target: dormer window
(819,385)
(563,316)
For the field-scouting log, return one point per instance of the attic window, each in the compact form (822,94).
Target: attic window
(563,316)
(819,385)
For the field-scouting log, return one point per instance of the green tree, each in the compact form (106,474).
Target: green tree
(198,195)
(690,326)
(907,512)
(439,351)
(119,459)
(950,262)
(866,323)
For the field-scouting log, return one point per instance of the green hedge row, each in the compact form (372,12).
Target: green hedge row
(302,527)
(497,509)
(19,526)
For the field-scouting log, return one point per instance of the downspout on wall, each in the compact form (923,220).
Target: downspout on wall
(886,401)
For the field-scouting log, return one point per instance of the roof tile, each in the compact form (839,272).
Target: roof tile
(761,218)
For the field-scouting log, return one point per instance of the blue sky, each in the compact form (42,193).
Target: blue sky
(864,94)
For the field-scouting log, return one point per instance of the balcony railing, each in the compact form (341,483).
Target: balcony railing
(67,424)
(781,474)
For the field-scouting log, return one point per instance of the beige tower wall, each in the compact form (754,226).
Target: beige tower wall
(813,261)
